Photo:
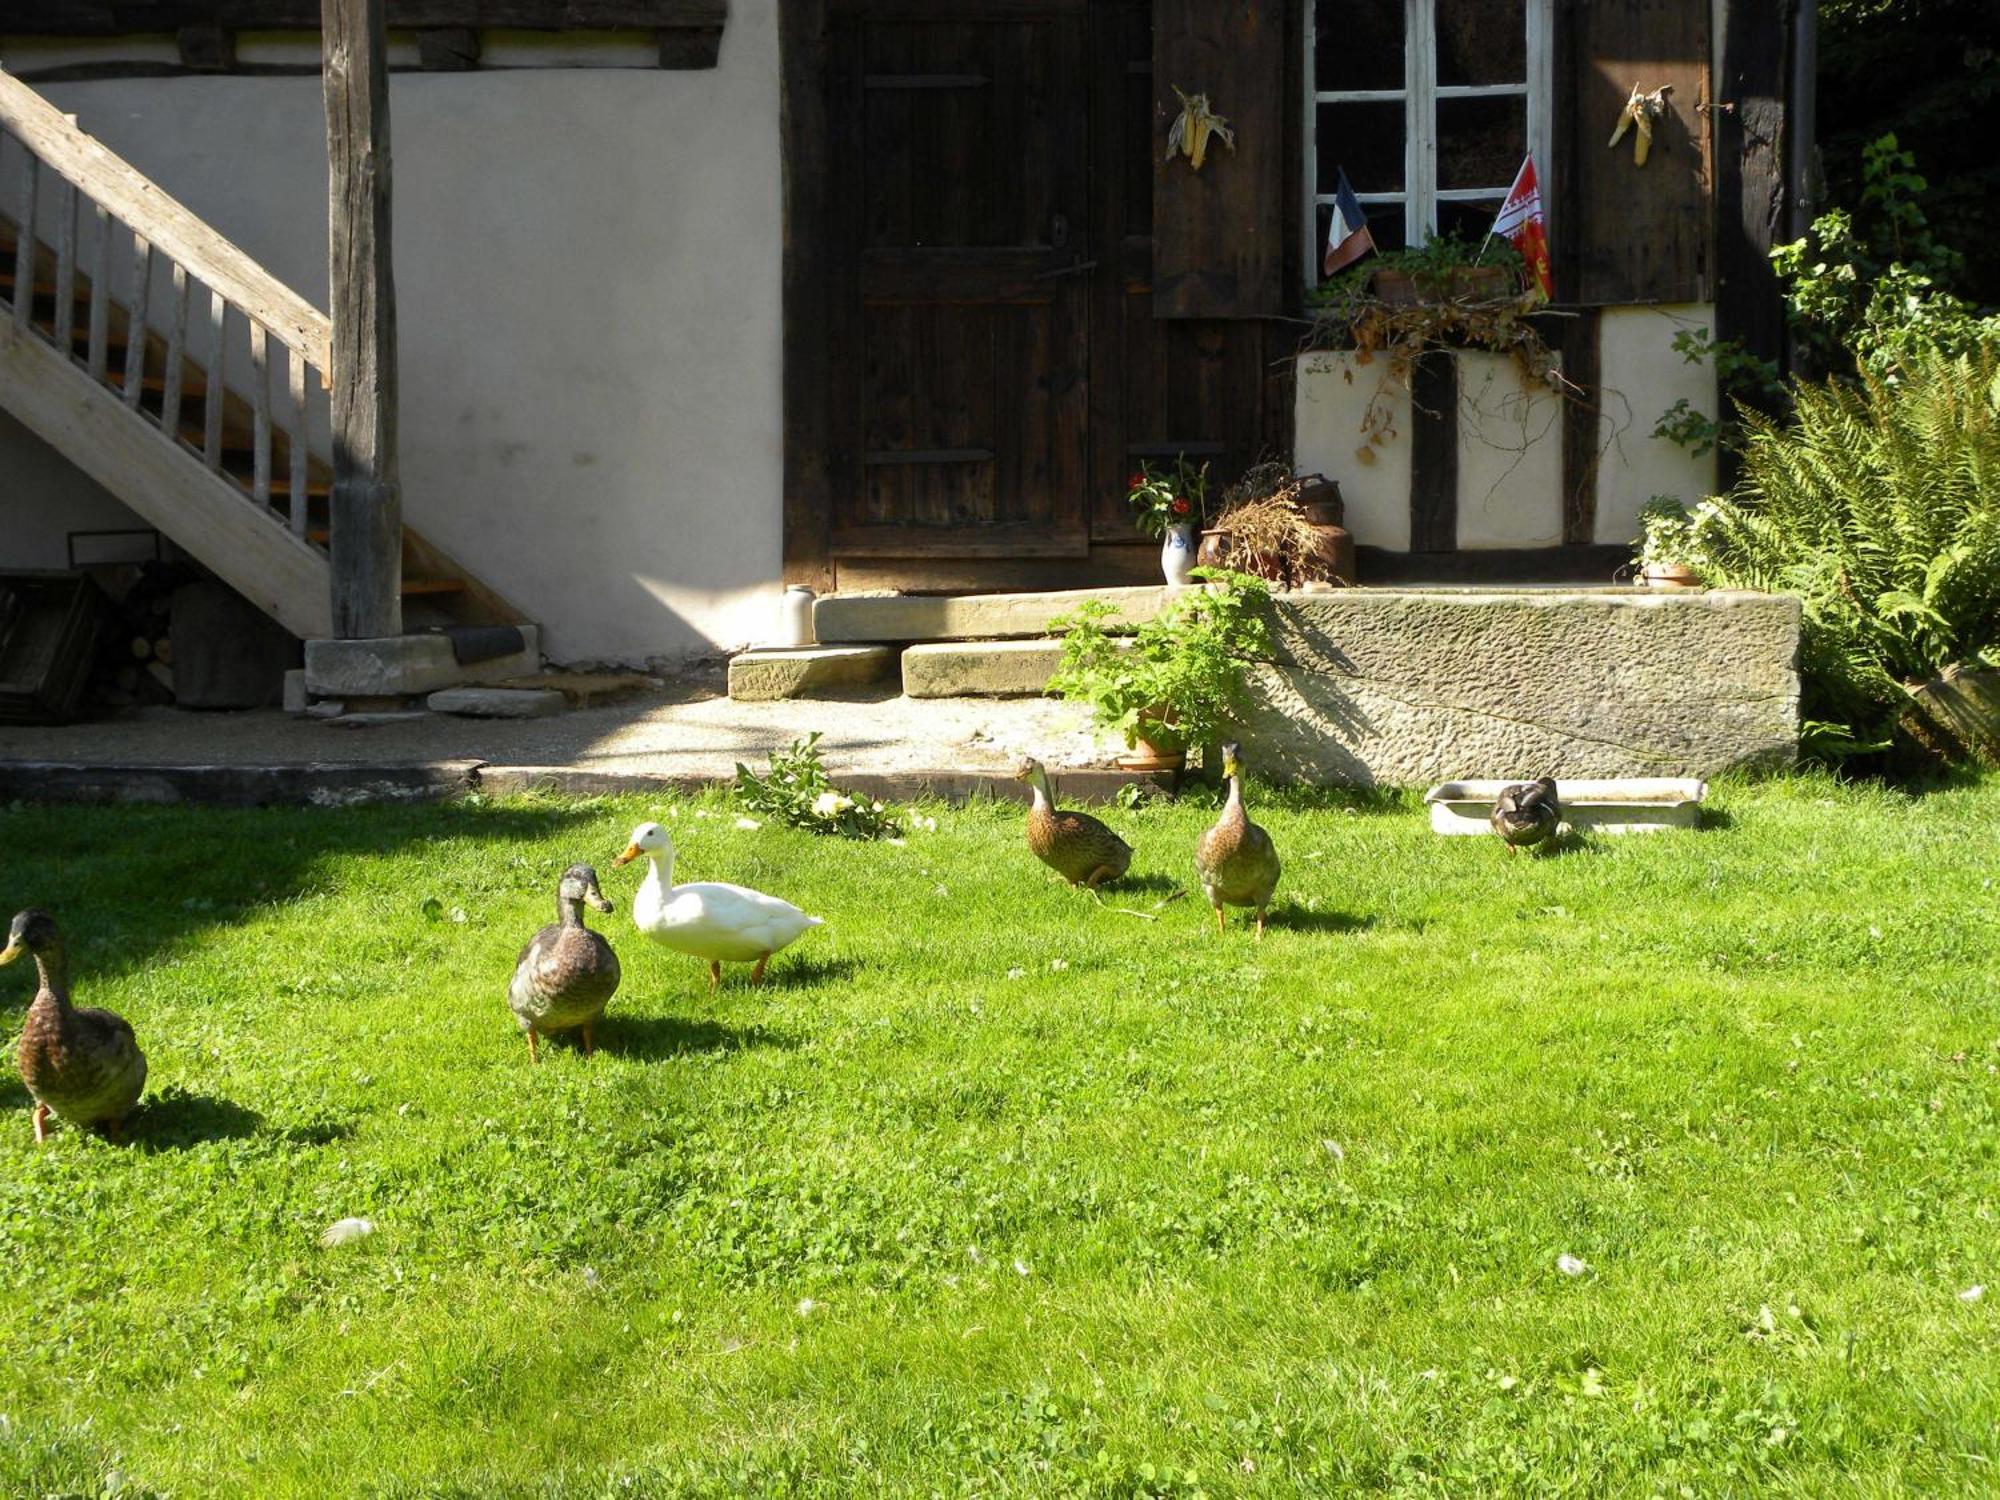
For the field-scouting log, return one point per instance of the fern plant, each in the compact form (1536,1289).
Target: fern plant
(1878,504)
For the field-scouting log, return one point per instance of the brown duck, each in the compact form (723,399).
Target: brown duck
(567,974)
(1526,814)
(82,1064)
(1073,844)
(1236,860)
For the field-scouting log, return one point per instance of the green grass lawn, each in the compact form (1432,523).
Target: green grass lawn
(998,1191)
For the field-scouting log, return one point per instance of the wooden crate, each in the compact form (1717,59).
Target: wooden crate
(48,635)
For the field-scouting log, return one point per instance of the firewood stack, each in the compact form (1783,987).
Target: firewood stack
(135,663)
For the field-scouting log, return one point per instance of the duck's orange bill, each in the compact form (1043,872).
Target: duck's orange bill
(631,853)
(12,952)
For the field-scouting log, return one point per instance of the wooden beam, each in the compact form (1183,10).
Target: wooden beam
(1434,452)
(1577,341)
(808,502)
(1750,177)
(367,501)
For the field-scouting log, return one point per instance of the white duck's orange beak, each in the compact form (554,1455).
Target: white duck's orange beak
(632,852)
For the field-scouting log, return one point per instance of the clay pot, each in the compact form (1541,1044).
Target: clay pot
(1671,576)
(1147,756)
(1331,559)
(1482,283)
(1397,288)
(1319,498)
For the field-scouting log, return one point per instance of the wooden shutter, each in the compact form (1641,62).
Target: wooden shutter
(1631,233)
(1218,234)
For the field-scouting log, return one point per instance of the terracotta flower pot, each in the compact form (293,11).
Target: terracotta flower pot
(1670,576)
(1147,756)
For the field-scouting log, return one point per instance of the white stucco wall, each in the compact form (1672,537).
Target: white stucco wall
(1510,437)
(588,284)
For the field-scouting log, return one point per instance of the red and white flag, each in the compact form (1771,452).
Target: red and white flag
(1523,225)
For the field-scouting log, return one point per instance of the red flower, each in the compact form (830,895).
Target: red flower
(1181,507)
(1135,481)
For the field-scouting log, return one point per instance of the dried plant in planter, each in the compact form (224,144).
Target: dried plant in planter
(1267,530)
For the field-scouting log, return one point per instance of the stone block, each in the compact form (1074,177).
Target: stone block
(388,666)
(765,676)
(967,617)
(296,698)
(497,703)
(1416,687)
(979,669)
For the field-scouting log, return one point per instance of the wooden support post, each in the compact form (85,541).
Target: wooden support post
(367,504)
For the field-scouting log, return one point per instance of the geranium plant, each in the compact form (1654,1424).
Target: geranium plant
(1177,496)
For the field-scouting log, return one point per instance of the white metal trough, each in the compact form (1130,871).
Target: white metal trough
(1625,804)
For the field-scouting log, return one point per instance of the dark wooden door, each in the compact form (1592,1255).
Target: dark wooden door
(960,232)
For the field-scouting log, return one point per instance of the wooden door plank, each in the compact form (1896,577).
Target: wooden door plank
(1218,248)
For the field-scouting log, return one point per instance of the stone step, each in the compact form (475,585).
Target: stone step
(764,676)
(408,665)
(979,669)
(966,617)
(497,703)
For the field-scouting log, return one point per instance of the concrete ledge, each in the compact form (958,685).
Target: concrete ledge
(497,703)
(308,785)
(1376,687)
(766,676)
(401,665)
(1078,786)
(980,669)
(966,617)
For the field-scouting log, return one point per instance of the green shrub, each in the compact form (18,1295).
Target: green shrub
(797,792)
(1179,680)
(1878,504)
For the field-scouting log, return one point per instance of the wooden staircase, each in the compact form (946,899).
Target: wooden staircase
(181,423)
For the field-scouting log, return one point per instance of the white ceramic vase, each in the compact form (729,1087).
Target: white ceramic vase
(795,616)
(1177,554)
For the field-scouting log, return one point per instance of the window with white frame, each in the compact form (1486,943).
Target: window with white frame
(1429,106)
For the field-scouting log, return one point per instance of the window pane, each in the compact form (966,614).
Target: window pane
(1467,221)
(1366,139)
(1480,142)
(1358,44)
(1481,41)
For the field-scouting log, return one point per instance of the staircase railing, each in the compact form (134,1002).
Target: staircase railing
(141,231)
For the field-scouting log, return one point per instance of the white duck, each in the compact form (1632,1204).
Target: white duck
(709,919)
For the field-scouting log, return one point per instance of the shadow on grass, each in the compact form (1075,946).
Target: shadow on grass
(803,973)
(655,1037)
(177,1119)
(222,864)
(1298,919)
(1132,885)
(1717,817)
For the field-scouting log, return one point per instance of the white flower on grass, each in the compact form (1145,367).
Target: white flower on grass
(1972,1293)
(591,1279)
(1022,1268)
(748,825)
(807,1307)
(1016,973)
(1057,965)
(1569,1265)
(1333,1149)
(346,1231)
(831,805)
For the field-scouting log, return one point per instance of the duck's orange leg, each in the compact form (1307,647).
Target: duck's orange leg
(586,1039)
(534,1053)
(41,1123)
(1221,926)
(1260,924)
(757,974)
(714,975)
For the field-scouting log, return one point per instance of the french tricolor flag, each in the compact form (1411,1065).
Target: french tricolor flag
(1347,236)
